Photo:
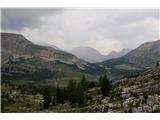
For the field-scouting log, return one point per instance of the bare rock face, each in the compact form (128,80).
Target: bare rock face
(147,109)
(126,93)
(150,100)
(105,100)
(137,110)
(156,108)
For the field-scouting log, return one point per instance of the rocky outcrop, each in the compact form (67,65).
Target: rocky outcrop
(141,94)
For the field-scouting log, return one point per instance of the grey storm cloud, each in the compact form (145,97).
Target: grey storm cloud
(18,18)
(101,28)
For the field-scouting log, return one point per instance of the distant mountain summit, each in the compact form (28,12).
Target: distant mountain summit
(93,56)
(115,54)
(88,54)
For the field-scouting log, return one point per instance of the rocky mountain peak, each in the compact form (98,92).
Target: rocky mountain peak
(88,54)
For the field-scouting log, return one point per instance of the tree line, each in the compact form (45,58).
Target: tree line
(75,93)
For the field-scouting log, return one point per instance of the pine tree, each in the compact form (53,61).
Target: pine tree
(58,95)
(80,96)
(104,85)
(3,95)
(28,105)
(157,64)
(7,96)
(84,83)
(64,95)
(46,98)
(71,90)
(53,101)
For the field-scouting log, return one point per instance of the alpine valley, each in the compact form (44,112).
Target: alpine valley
(37,78)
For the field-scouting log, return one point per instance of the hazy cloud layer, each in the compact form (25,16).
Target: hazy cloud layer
(103,29)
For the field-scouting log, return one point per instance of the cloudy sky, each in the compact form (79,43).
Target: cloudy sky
(67,28)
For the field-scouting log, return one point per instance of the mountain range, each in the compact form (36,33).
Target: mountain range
(115,54)
(143,57)
(93,56)
(23,59)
